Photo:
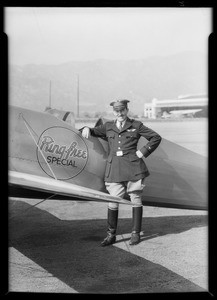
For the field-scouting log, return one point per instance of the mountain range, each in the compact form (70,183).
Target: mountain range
(97,83)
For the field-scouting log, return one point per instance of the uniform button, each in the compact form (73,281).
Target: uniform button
(119,147)
(119,141)
(119,135)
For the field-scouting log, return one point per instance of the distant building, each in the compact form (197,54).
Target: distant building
(188,105)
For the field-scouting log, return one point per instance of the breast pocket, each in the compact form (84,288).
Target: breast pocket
(110,135)
(132,135)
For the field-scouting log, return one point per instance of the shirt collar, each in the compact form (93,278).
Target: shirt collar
(122,123)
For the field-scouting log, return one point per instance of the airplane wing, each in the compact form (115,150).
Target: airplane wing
(184,111)
(59,189)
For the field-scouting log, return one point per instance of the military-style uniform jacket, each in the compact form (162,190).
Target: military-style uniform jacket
(122,163)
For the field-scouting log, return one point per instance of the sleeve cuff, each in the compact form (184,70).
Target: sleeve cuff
(145,151)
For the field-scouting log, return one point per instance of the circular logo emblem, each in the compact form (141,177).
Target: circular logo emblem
(61,153)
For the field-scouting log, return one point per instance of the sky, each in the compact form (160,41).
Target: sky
(49,35)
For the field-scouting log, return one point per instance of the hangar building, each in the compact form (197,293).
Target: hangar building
(194,105)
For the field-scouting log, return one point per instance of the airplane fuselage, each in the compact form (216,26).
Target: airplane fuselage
(42,145)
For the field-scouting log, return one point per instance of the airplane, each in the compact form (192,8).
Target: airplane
(67,116)
(185,112)
(49,159)
(180,113)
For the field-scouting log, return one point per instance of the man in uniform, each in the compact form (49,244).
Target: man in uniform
(125,169)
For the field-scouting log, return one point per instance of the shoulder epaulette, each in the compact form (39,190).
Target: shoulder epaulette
(136,122)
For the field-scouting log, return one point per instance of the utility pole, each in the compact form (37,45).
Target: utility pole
(50,95)
(49,104)
(78,95)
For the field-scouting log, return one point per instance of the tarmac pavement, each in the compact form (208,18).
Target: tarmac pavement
(55,247)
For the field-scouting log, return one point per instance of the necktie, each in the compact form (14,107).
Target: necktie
(119,125)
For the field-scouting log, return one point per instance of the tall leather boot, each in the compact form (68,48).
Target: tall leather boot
(137,224)
(112,226)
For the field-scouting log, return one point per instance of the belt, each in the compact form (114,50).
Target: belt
(122,152)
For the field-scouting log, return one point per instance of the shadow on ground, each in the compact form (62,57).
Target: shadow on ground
(71,251)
